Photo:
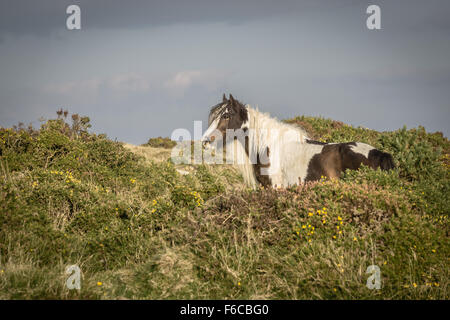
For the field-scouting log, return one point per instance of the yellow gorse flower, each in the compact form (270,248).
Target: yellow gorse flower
(197,198)
(68,176)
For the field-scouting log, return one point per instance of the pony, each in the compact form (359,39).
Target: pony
(277,154)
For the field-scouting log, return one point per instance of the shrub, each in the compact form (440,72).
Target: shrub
(139,229)
(160,142)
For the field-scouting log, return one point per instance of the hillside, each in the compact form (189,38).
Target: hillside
(140,227)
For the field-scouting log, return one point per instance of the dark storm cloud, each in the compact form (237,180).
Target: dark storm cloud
(176,57)
(18,17)
(44,16)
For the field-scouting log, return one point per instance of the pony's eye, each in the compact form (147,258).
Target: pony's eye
(226,116)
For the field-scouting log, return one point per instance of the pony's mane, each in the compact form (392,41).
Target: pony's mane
(259,117)
(259,121)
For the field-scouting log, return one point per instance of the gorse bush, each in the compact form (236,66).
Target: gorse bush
(160,142)
(138,228)
(417,156)
(65,196)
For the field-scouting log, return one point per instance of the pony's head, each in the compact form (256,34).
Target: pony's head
(228,114)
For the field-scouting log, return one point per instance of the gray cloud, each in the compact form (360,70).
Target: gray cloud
(42,17)
(142,68)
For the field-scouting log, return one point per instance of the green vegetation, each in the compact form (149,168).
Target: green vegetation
(140,229)
(160,143)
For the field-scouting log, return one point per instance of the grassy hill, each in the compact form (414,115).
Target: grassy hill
(140,227)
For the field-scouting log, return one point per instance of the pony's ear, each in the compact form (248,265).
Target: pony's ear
(224,99)
(235,104)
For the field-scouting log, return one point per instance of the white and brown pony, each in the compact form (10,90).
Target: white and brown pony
(278,154)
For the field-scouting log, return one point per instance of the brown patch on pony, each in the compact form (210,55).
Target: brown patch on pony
(333,160)
(336,158)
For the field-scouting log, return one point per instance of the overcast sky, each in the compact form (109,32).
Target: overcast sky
(140,69)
